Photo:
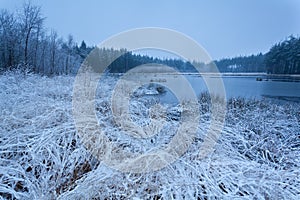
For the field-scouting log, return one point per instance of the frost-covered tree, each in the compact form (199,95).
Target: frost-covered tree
(31,21)
(9,40)
(26,44)
(69,49)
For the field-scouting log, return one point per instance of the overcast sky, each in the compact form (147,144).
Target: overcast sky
(224,28)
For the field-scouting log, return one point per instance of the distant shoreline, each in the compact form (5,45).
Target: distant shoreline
(224,74)
(258,76)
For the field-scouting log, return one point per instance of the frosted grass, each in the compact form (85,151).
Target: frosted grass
(41,157)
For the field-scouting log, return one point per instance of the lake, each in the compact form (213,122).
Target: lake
(245,86)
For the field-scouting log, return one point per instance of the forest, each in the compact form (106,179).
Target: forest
(26,44)
(284,57)
(253,63)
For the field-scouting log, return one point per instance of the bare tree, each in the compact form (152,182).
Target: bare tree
(53,50)
(24,42)
(31,21)
(70,46)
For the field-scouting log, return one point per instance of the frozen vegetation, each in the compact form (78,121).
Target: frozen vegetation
(41,157)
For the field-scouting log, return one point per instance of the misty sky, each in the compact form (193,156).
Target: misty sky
(224,28)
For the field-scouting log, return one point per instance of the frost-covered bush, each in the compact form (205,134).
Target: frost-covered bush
(41,156)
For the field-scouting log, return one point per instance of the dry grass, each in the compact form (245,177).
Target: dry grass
(41,157)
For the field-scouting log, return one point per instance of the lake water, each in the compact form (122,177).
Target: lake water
(246,87)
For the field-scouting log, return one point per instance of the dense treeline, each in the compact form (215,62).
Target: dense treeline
(26,44)
(129,60)
(120,61)
(284,57)
(253,63)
